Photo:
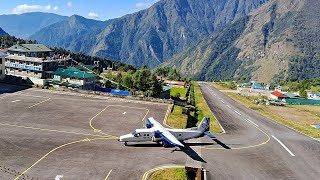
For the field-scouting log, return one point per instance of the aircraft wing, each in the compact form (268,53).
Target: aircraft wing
(161,131)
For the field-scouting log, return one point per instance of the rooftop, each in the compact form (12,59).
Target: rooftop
(29,48)
(2,54)
(73,72)
(278,94)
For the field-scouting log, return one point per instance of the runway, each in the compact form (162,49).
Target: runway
(260,148)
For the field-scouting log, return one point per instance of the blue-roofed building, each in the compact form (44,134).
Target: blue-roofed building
(2,66)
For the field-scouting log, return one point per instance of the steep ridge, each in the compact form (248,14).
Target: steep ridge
(153,35)
(3,33)
(280,40)
(24,25)
(76,33)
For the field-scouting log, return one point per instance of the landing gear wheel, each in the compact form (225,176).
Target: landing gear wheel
(125,143)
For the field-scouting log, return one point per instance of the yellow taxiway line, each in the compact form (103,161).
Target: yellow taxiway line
(108,174)
(67,144)
(246,147)
(100,131)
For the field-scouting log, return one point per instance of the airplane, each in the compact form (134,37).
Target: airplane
(155,132)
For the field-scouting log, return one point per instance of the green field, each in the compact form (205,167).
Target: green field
(298,117)
(176,119)
(182,91)
(204,110)
(170,174)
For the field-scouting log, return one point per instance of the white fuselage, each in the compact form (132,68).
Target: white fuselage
(147,135)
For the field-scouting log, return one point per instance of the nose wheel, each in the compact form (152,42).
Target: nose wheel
(125,143)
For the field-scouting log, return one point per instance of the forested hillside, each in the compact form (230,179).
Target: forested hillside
(154,35)
(280,40)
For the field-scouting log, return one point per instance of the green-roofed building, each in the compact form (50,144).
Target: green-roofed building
(73,77)
(33,63)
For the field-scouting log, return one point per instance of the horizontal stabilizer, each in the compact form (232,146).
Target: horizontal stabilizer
(210,135)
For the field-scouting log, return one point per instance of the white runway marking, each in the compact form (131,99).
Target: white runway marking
(124,113)
(58,177)
(237,112)
(15,101)
(285,147)
(252,122)
(222,101)
(229,106)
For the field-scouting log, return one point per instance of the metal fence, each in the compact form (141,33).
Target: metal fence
(303,101)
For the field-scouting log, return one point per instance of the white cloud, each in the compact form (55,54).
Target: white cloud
(55,8)
(93,15)
(145,3)
(69,4)
(24,8)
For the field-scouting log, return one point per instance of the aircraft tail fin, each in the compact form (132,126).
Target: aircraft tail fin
(204,125)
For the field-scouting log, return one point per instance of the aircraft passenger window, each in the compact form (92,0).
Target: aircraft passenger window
(179,134)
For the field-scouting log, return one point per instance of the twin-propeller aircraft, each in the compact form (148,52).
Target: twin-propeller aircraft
(155,132)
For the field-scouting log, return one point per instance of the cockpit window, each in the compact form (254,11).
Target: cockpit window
(135,134)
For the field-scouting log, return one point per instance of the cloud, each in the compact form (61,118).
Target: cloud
(145,3)
(93,15)
(69,4)
(55,8)
(24,8)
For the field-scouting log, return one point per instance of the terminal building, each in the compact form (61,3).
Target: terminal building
(74,78)
(33,63)
(2,66)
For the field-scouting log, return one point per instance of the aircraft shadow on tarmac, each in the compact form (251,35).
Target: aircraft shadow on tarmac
(187,149)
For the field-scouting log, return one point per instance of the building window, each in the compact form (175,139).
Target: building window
(0,72)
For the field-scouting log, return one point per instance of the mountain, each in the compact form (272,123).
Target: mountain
(280,40)
(24,25)
(3,33)
(154,35)
(76,33)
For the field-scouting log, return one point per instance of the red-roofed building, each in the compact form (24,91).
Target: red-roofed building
(278,95)
(174,83)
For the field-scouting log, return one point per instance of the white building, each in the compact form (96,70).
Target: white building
(2,65)
(32,63)
(314,95)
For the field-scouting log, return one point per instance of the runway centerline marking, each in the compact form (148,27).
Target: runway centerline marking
(237,113)
(222,101)
(108,174)
(39,103)
(244,147)
(252,122)
(124,113)
(15,101)
(284,146)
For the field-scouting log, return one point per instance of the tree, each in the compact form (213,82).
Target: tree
(127,81)
(303,93)
(174,75)
(154,86)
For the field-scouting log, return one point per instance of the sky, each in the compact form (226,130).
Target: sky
(93,9)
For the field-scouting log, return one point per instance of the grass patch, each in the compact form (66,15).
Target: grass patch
(170,174)
(181,91)
(315,88)
(301,126)
(225,85)
(204,110)
(176,119)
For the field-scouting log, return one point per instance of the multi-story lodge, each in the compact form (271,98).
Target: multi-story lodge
(33,63)
(2,67)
